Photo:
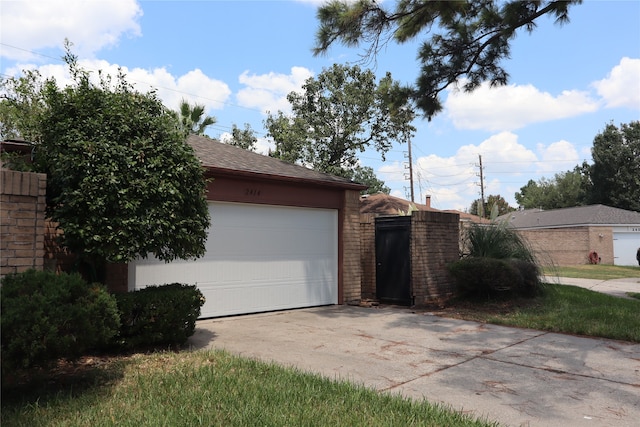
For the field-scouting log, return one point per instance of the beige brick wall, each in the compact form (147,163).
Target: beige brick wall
(22,213)
(571,245)
(434,244)
(351,267)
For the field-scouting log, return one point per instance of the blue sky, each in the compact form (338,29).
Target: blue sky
(241,58)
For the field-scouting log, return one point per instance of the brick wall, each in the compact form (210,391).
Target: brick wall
(351,267)
(22,212)
(571,245)
(434,244)
(368,255)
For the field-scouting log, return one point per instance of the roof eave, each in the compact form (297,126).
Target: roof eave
(213,171)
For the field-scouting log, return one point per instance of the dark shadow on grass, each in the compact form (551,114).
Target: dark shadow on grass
(89,374)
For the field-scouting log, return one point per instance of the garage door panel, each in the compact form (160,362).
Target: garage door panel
(625,245)
(258,258)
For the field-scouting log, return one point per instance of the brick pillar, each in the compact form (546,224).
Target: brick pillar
(351,268)
(22,215)
(434,244)
(368,255)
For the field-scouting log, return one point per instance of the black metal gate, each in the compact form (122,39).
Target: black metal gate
(393,260)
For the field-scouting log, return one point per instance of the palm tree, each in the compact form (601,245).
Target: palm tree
(192,118)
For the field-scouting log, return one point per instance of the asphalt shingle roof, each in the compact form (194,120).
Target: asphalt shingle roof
(225,158)
(577,216)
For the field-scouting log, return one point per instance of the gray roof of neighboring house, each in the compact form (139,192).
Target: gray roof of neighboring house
(227,159)
(566,217)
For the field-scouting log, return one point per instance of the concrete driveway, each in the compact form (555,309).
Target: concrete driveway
(518,377)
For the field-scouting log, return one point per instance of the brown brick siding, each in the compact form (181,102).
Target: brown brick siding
(368,255)
(571,245)
(351,268)
(22,212)
(434,244)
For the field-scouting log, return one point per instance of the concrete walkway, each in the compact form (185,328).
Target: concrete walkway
(519,377)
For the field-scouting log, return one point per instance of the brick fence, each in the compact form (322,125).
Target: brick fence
(435,242)
(22,221)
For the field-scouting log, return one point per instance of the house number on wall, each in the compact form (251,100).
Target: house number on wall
(251,192)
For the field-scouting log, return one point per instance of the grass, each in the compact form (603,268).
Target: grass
(562,308)
(208,388)
(599,271)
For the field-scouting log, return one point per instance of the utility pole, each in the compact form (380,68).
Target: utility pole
(481,207)
(410,167)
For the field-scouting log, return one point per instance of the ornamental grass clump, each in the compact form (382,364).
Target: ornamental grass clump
(497,261)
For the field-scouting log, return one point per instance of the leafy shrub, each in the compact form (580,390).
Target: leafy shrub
(46,316)
(477,276)
(531,284)
(158,315)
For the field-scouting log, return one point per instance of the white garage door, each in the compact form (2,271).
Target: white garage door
(625,245)
(259,258)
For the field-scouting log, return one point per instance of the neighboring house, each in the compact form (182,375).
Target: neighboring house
(569,235)
(384,204)
(282,236)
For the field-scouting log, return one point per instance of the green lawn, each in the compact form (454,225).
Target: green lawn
(210,388)
(575,310)
(562,308)
(600,271)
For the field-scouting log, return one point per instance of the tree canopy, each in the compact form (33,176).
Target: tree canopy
(121,181)
(341,112)
(242,138)
(615,173)
(366,175)
(463,41)
(495,206)
(566,189)
(613,179)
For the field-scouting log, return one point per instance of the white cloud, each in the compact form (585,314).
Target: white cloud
(621,88)
(453,182)
(89,24)
(268,92)
(561,155)
(263,145)
(512,107)
(194,86)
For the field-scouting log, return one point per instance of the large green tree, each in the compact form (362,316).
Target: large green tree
(566,189)
(243,138)
(366,175)
(615,173)
(463,40)
(340,113)
(21,104)
(121,181)
(494,206)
